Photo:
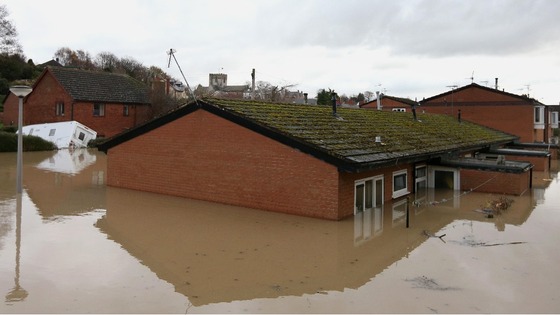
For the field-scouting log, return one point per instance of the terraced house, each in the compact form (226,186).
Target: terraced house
(307,160)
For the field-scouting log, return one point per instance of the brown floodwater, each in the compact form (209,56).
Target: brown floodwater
(70,244)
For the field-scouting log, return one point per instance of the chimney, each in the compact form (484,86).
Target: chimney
(496,83)
(304,98)
(333,99)
(378,100)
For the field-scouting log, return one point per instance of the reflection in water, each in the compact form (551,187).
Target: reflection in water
(67,161)
(216,253)
(17,293)
(101,249)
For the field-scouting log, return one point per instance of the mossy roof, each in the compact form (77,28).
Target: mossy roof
(346,139)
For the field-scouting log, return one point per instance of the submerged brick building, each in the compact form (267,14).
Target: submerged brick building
(301,159)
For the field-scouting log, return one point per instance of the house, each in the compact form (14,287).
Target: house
(218,87)
(303,160)
(519,115)
(108,103)
(390,103)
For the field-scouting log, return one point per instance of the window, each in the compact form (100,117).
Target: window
(82,136)
(421,183)
(52,132)
(368,193)
(59,109)
(98,109)
(554,119)
(539,117)
(400,183)
(399,109)
(125,110)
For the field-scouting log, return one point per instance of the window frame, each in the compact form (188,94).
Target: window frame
(374,203)
(126,110)
(403,191)
(100,111)
(59,109)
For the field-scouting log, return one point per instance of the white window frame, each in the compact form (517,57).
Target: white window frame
(538,117)
(554,120)
(363,181)
(403,191)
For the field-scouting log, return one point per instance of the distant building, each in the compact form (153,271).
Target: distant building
(218,87)
(106,102)
(519,115)
(390,103)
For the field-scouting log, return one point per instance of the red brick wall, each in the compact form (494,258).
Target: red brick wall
(203,156)
(113,122)
(387,105)
(495,110)
(495,182)
(513,119)
(39,107)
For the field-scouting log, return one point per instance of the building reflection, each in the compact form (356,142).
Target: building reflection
(216,253)
(65,182)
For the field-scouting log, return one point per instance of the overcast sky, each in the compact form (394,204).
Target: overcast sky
(409,48)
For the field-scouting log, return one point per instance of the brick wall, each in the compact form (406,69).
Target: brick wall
(495,182)
(492,109)
(203,156)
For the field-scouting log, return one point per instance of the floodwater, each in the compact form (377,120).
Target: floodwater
(69,244)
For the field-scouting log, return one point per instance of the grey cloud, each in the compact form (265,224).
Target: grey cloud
(408,27)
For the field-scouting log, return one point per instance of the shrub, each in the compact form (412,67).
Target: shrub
(8,143)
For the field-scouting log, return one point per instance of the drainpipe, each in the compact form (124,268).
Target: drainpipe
(459,115)
(414,111)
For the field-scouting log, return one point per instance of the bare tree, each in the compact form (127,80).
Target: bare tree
(106,61)
(9,43)
(70,58)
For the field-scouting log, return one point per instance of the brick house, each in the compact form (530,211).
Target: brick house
(390,103)
(105,102)
(297,159)
(519,115)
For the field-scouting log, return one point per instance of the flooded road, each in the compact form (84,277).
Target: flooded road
(69,244)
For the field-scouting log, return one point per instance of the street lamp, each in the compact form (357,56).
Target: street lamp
(20,91)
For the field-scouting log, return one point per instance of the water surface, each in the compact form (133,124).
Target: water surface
(69,244)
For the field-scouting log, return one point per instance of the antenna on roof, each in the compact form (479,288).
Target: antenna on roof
(472,77)
(171,53)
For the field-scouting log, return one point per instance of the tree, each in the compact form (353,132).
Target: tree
(9,43)
(324,97)
(70,58)
(106,61)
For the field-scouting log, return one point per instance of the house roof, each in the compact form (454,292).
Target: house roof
(403,100)
(98,86)
(521,98)
(347,139)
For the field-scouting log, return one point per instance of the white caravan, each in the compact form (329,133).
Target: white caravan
(66,134)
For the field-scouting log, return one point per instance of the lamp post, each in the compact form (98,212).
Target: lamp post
(20,91)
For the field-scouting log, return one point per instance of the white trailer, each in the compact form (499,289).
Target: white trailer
(66,134)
